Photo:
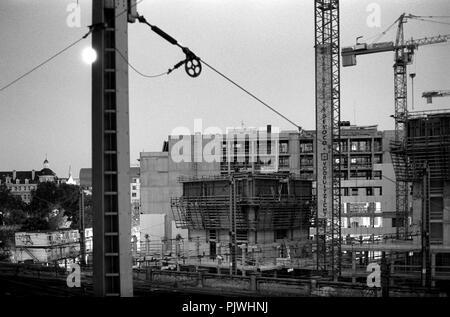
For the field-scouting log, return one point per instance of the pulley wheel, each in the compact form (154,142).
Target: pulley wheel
(193,67)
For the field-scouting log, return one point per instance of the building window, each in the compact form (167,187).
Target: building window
(369,191)
(376,175)
(212,235)
(377,222)
(306,147)
(377,159)
(284,147)
(284,162)
(436,234)
(354,191)
(133,194)
(134,187)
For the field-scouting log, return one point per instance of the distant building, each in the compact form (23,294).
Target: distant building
(22,183)
(368,178)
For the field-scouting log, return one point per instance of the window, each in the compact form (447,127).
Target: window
(377,222)
(306,147)
(212,235)
(436,234)
(376,175)
(377,207)
(354,191)
(134,187)
(133,195)
(377,159)
(369,191)
(284,161)
(284,147)
(306,162)
(241,235)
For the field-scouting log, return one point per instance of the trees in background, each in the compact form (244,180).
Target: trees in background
(13,210)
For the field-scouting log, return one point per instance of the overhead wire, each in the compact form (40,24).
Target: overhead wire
(137,71)
(431,21)
(188,52)
(250,94)
(46,61)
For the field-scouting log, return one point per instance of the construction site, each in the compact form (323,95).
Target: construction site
(341,210)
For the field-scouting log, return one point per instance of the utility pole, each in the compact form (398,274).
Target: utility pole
(112,273)
(81,229)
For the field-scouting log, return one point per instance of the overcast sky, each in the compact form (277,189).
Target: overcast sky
(265,45)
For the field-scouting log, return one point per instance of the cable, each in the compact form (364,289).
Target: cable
(137,71)
(191,56)
(385,31)
(426,20)
(46,61)
(250,94)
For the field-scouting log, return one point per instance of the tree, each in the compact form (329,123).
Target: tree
(12,208)
(35,223)
(49,197)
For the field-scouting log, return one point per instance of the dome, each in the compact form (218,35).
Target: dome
(47,172)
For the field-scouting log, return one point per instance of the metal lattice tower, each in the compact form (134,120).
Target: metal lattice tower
(401,60)
(110,151)
(327,48)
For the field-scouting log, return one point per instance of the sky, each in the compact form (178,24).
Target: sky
(267,46)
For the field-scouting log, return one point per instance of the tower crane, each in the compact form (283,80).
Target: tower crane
(403,55)
(435,93)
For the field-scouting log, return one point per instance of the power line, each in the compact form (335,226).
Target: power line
(46,61)
(250,94)
(191,56)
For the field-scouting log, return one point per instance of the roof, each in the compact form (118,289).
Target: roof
(46,172)
(21,175)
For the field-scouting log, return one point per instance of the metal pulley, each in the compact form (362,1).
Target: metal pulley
(193,66)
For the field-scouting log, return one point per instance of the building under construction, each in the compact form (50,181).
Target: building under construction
(247,219)
(428,152)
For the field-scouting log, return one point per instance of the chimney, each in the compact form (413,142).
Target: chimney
(33,174)
(14,175)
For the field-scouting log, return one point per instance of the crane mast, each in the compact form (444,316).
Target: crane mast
(327,62)
(402,57)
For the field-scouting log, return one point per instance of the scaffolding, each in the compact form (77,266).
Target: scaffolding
(263,214)
(263,202)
